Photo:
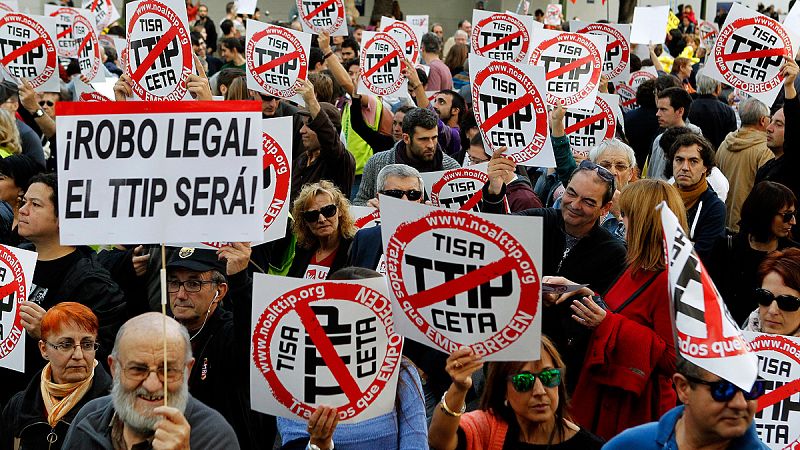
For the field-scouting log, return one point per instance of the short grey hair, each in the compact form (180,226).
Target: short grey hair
(400,171)
(751,111)
(613,143)
(706,85)
(459,32)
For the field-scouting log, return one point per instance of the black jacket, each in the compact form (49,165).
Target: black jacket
(24,417)
(710,224)
(641,127)
(302,257)
(715,118)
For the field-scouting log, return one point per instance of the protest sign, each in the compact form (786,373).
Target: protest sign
(105,12)
(318,16)
(153,172)
(65,41)
(16,275)
(419,21)
(28,50)
(277,164)
(365,216)
(277,60)
(381,66)
(501,36)
(749,52)
(458,278)
(323,342)
(159,52)
(87,93)
(627,97)
(510,110)
(708,32)
(649,24)
(572,64)
(552,16)
(778,414)
(618,50)
(642,75)
(456,188)
(9,6)
(408,36)
(587,129)
(246,6)
(87,47)
(705,333)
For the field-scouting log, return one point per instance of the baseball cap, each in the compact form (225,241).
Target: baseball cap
(196,259)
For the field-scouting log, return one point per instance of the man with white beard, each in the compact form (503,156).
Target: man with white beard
(135,414)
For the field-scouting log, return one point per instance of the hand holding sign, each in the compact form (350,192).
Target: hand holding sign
(557,121)
(789,72)
(198,85)
(31,315)
(236,256)
(122,88)
(321,426)
(27,96)
(172,430)
(460,365)
(499,167)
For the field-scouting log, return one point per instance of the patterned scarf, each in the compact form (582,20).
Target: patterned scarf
(69,394)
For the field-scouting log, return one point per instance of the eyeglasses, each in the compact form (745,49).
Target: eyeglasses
(787,216)
(174,286)
(411,194)
(619,167)
(787,303)
(601,171)
(313,215)
(523,382)
(476,160)
(140,373)
(46,102)
(69,347)
(724,391)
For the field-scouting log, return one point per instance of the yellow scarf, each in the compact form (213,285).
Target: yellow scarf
(69,393)
(691,196)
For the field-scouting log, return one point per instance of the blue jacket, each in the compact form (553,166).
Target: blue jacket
(710,223)
(367,248)
(661,436)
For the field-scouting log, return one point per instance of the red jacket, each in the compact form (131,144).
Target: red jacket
(630,360)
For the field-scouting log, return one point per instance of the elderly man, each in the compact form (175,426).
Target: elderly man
(463,32)
(714,414)
(136,413)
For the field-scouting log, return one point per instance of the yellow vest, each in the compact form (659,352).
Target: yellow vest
(355,144)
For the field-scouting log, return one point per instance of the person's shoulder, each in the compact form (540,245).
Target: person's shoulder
(209,427)
(93,410)
(449,163)
(642,437)
(369,233)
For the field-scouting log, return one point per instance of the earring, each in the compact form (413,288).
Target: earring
(505,402)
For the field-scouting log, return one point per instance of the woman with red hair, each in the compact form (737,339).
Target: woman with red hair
(39,416)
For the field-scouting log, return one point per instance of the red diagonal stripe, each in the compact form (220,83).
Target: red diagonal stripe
(275,62)
(507,110)
(151,57)
(410,44)
(708,34)
(380,63)
(613,45)
(83,43)
(629,102)
(499,42)
(571,66)
(6,290)
(463,283)
(64,33)
(785,391)
(22,50)
(319,9)
(476,197)
(327,351)
(94,5)
(585,122)
(755,54)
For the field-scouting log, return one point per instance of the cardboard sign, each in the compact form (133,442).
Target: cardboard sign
(277,60)
(277,164)
(649,24)
(64,37)
(105,12)
(627,97)
(510,110)
(87,93)
(418,21)
(153,172)
(381,61)
(642,75)
(456,188)
(749,52)
(572,64)
(9,6)
(501,36)
(705,333)
(323,342)
(28,50)
(588,129)
(552,16)
(246,6)
(365,216)
(159,52)
(87,47)
(778,415)
(409,36)
(318,16)
(708,32)
(16,275)
(458,278)
(618,50)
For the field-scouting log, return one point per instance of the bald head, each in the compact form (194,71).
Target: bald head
(150,326)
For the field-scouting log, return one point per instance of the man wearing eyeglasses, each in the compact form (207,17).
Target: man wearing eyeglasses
(136,414)
(715,414)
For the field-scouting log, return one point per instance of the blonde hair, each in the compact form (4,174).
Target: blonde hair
(305,238)
(9,133)
(638,203)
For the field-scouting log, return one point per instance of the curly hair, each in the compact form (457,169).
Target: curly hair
(305,238)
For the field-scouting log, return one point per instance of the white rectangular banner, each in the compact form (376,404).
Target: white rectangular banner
(616,63)
(29,49)
(502,36)
(458,278)
(323,343)
(151,172)
(381,66)
(456,188)
(649,24)
(419,21)
(16,275)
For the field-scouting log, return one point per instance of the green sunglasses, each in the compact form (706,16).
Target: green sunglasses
(523,382)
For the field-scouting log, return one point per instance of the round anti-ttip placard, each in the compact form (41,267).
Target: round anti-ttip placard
(27,50)
(381,64)
(160,56)
(105,12)
(618,50)
(587,129)
(64,36)
(13,292)
(572,65)
(501,37)
(277,60)
(405,35)
(322,15)
(510,111)
(627,97)
(276,170)
(639,77)
(87,47)
(432,272)
(459,188)
(327,343)
(708,32)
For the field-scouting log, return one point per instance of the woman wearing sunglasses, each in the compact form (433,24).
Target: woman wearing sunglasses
(523,406)
(779,295)
(324,229)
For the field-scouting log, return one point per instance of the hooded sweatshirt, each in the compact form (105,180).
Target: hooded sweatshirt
(739,157)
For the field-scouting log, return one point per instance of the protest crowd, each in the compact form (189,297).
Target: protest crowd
(656,202)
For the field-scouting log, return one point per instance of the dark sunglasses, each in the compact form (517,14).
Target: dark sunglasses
(602,172)
(46,102)
(787,303)
(523,382)
(724,391)
(787,216)
(268,98)
(411,194)
(313,215)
